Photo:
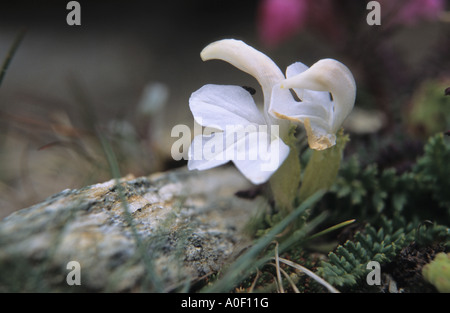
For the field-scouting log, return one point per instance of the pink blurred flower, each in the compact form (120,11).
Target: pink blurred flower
(411,12)
(280,19)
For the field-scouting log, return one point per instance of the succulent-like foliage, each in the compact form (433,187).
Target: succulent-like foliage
(367,193)
(395,207)
(346,266)
(433,171)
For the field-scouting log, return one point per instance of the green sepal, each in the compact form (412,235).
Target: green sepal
(322,168)
(285,182)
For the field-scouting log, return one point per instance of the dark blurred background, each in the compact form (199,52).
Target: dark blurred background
(128,70)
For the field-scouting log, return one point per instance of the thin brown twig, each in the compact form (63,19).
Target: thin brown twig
(252,287)
(291,282)
(278,268)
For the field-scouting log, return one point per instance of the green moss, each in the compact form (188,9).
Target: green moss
(437,272)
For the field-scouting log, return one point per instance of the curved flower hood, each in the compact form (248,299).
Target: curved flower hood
(325,97)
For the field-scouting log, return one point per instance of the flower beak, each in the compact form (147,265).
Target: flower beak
(326,75)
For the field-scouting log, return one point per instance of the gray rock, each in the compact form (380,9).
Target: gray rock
(174,228)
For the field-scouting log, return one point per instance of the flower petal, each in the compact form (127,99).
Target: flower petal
(270,155)
(247,59)
(219,106)
(295,69)
(321,97)
(310,104)
(256,154)
(201,156)
(320,115)
(311,113)
(315,105)
(332,76)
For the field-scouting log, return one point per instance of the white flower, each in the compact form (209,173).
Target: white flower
(321,114)
(245,135)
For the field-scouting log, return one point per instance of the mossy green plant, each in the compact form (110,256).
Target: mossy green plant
(346,265)
(366,193)
(393,207)
(437,272)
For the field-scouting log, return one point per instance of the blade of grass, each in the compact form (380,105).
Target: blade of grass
(246,262)
(152,277)
(299,236)
(85,107)
(286,275)
(12,51)
(278,268)
(91,124)
(330,229)
(320,280)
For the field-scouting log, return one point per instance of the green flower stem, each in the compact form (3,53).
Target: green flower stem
(322,168)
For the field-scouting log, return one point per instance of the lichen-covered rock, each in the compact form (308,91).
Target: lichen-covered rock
(172,229)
